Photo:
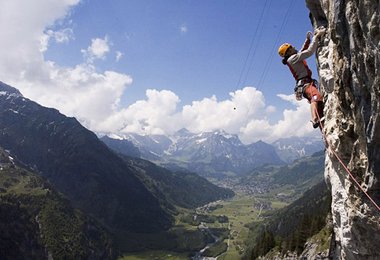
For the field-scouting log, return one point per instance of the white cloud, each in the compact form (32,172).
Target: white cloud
(22,23)
(64,35)
(44,42)
(295,121)
(78,91)
(256,130)
(97,50)
(155,115)
(159,113)
(244,114)
(119,55)
(271,109)
(210,114)
(60,36)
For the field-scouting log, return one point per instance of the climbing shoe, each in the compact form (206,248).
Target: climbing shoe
(317,123)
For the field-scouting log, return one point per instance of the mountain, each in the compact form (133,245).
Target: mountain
(286,231)
(178,186)
(77,164)
(181,188)
(292,148)
(36,221)
(218,153)
(122,146)
(124,194)
(213,154)
(150,147)
(294,178)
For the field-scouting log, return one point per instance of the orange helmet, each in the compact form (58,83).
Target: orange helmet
(283,48)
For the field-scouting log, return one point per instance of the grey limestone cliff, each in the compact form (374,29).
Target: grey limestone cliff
(349,71)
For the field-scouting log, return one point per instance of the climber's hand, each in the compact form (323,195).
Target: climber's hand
(319,32)
(308,35)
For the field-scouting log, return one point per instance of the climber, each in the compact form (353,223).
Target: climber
(305,85)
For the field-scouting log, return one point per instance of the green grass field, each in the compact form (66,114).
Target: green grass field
(241,211)
(155,255)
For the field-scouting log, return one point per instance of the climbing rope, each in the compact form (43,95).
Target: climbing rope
(343,165)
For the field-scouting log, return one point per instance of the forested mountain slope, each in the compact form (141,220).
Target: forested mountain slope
(37,222)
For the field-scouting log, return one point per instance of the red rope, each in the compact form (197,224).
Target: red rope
(344,166)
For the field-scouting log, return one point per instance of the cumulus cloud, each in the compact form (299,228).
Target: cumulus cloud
(22,24)
(256,130)
(83,92)
(210,114)
(155,115)
(271,109)
(79,91)
(294,121)
(97,50)
(244,114)
(60,36)
(160,113)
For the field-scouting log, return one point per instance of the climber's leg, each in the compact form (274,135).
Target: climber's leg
(316,104)
(320,107)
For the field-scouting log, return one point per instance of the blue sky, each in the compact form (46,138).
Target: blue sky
(190,54)
(207,57)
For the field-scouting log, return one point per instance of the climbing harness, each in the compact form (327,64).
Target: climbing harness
(343,165)
(302,90)
(302,84)
(298,91)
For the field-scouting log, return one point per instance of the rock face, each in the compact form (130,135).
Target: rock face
(349,70)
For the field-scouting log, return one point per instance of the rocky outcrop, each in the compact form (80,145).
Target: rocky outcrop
(349,70)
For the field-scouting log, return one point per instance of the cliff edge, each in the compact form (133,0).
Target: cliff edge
(348,61)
